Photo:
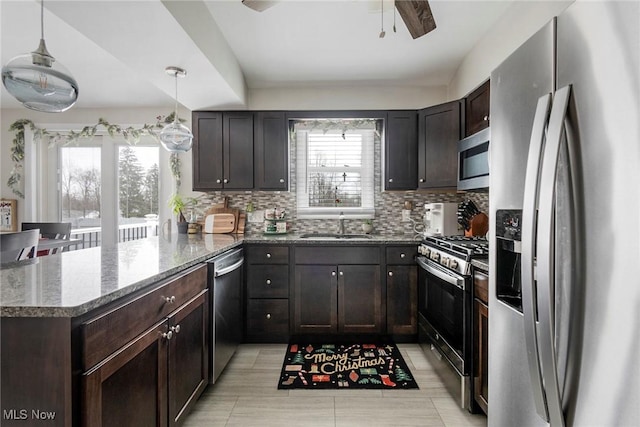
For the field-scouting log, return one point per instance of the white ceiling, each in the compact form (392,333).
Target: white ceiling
(117,50)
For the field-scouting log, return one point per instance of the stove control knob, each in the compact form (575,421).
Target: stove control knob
(453,264)
(426,252)
(444,261)
(435,256)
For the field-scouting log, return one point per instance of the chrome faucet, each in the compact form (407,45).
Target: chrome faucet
(341,223)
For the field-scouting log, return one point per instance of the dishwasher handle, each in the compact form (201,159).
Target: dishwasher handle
(229,269)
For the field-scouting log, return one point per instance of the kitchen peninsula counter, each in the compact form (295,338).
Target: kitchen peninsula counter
(72,283)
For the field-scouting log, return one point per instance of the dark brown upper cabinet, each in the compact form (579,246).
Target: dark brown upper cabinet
(271,151)
(439,129)
(222,150)
(401,146)
(477,109)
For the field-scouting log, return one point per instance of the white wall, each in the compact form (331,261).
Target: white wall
(520,21)
(377,97)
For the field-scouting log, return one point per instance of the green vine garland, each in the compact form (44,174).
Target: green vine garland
(130,134)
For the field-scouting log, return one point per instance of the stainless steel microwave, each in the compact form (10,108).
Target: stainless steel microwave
(473,161)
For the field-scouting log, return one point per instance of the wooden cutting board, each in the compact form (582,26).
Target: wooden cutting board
(220,223)
(223,208)
(242,220)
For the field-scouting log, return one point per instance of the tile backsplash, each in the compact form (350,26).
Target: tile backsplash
(388,204)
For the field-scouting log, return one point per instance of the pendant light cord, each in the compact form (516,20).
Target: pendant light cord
(42,19)
(175,117)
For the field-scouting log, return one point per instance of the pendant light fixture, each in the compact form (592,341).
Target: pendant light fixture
(38,81)
(176,137)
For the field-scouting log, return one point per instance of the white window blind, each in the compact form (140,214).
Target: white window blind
(335,173)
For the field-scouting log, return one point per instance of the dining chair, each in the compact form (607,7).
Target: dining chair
(18,246)
(50,230)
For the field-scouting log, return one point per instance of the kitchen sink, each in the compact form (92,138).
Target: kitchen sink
(334,236)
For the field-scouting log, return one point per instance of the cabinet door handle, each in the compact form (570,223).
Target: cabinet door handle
(169,300)
(226,181)
(342,273)
(175,329)
(268,255)
(421,179)
(333,273)
(281,180)
(391,273)
(485,118)
(167,335)
(390,179)
(218,181)
(268,281)
(402,255)
(268,316)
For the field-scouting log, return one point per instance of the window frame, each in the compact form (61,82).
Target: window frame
(367,169)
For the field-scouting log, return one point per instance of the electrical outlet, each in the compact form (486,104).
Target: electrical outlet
(406,214)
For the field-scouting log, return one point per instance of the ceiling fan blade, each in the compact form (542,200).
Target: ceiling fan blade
(417,15)
(259,5)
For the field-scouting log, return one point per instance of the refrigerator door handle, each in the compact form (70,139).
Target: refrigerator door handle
(546,255)
(529,223)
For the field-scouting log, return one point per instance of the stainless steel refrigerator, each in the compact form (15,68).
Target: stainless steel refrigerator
(564,306)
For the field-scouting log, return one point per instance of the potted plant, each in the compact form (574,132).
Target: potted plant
(177,204)
(367,226)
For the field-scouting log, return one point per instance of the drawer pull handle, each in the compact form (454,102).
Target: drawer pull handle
(421,179)
(175,329)
(390,179)
(281,180)
(268,315)
(402,255)
(391,273)
(170,300)
(268,281)
(167,335)
(268,255)
(218,181)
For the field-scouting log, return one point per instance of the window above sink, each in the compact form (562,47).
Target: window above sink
(335,167)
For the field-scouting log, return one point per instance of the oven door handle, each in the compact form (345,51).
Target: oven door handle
(448,277)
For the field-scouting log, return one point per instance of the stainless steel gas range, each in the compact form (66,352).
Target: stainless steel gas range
(445,309)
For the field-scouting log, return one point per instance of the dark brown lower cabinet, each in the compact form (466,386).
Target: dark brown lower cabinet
(154,379)
(402,299)
(333,299)
(130,387)
(316,299)
(188,358)
(481,340)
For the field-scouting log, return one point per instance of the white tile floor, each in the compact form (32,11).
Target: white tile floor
(246,394)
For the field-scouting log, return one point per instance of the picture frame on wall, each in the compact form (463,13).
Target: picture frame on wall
(8,215)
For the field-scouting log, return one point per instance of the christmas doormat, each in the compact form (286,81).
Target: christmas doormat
(355,366)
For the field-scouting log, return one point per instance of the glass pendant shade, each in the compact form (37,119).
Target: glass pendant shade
(38,81)
(176,137)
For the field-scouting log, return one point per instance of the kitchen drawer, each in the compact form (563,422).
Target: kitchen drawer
(337,255)
(481,286)
(268,320)
(398,255)
(107,332)
(268,281)
(266,254)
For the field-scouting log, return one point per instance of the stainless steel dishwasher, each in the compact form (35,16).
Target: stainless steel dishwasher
(225,281)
